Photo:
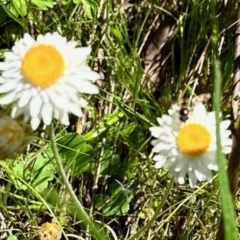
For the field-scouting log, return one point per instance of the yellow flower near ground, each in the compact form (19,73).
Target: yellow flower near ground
(49,231)
(14,136)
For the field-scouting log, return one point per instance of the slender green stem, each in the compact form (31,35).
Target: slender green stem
(98,234)
(156,214)
(227,205)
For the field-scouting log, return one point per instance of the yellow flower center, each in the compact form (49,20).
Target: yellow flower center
(43,65)
(193,139)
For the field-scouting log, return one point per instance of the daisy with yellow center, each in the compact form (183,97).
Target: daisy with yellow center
(44,77)
(14,137)
(189,148)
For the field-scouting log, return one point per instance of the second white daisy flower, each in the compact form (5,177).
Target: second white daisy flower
(44,77)
(189,148)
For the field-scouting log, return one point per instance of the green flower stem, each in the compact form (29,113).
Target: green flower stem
(230,230)
(156,214)
(98,234)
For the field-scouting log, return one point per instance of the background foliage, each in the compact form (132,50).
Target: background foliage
(149,53)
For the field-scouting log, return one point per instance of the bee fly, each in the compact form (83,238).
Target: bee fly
(184,111)
(186,105)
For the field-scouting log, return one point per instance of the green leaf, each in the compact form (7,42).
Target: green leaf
(118,206)
(20,7)
(84,160)
(65,2)
(117,34)
(51,195)
(90,7)
(3,15)
(44,4)
(42,173)
(87,9)
(115,204)
(110,163)
(12,238)
(110,119)
(70,144)
(38,174)
(100,200)
(73,146)
(18,170)
(11,11)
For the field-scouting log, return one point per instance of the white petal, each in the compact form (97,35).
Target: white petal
(86,87)
(161,146)
(3,80)
(159,158)
(40,38)
(181,175)
(212,166)
(160,161)
(87,74)
(199,111)
(226,150)
(44,96)
(35,106)
(82,53)
(180,165)
(225,133)
(160,121)
(227,142)
(192,179)
(211,119)
(64,118)
(26,95)
(156,131)
(8,98)
(181,180)
(28,40)
(35,121)
(76,110)
(12,73)
(167,119)
(200,176)
(170,163)
(16,111)
(82,102)
(47,112)
(159,164)
(225,124)
(4,66)
(10,56)
(6,87)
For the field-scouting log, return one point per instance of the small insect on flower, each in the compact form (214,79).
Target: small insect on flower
(189,147)
(14,136)
(50,231)
(186,105)
(44,77)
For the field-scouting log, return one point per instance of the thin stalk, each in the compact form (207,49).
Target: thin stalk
(229,223)
(98,234)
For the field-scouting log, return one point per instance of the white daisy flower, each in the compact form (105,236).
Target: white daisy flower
(44,78)
(14,137)
(189,147)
